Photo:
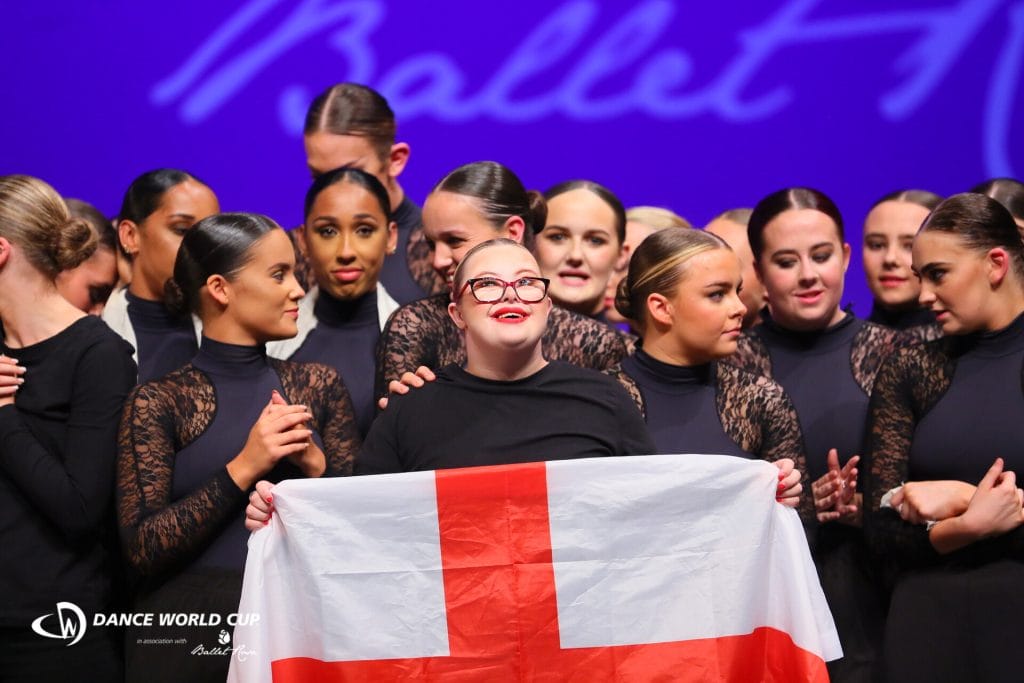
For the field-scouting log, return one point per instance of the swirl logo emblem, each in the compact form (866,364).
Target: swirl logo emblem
(70,621)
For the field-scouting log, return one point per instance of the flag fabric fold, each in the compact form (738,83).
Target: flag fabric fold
(678,567)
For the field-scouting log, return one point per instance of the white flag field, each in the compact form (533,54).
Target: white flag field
(678,567)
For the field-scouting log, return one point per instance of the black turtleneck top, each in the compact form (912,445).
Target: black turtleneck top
(165,341)
(828,374)
(715,408)
(345,338)
(460,420)
(679,404)
(58,444)
(178,506)
(917,323)
(945,410)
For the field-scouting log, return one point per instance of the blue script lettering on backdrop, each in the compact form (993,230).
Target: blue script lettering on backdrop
(945,32)
(694,106)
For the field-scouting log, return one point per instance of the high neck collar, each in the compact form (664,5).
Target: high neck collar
(815,340)
(1002,342)
(900,320)
(153,314)
(338,313)
(230,359)
(670,373)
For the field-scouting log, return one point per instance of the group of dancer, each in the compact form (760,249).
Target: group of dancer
(500,325)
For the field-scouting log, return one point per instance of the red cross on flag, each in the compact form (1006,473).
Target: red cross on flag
(680,568)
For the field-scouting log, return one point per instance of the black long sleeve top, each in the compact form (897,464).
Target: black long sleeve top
(58,445)
(460,420)
(715,408)
(828,374)
(177,504)
(944,410)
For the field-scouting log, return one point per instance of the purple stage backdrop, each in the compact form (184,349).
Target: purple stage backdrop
(696,106)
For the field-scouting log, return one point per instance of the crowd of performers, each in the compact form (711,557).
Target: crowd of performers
(161,370)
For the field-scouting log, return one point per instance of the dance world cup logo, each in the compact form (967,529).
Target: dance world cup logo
(70,622)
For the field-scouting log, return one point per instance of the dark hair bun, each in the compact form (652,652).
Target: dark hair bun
(537,217)
(72,244)
(175,300)
(622,300)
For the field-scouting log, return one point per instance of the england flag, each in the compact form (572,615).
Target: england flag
(676,568)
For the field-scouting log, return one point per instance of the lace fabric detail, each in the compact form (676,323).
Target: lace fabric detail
(629,384)
(907,386)
(420,258)
(162,417)
(871,347)
(421,333)
(321,388)
(923,333)
(755,413)
(751,354)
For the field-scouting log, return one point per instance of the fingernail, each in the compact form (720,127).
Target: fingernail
(270,499)
(781,475)
(781,486)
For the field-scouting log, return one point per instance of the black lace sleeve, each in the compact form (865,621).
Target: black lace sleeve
(582,341)
(629,384)
(871,347)
(907,385)
(757,414)
(751,355)
(320,387)
(419,333)
(420,258)
(923,333)
(160,418)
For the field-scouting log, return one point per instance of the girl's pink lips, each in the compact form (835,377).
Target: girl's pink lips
(892,281)
(292,313)
(809,297)
(347,274)
(510,314)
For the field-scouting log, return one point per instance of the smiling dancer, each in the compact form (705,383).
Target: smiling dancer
(826,360)
(471,205)
(193,442)
(889,231)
